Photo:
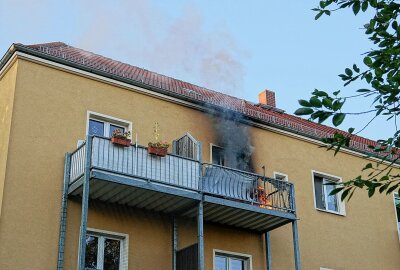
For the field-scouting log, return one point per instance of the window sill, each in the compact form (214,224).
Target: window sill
(331,212)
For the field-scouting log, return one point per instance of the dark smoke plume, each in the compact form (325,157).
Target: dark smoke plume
(233,136)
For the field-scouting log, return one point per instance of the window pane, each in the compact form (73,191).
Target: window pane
(111,254)
(113,127)
(218,155)
(319,192)
(220,263)
(236,264)
(96,128)
(332,200)
(91,252)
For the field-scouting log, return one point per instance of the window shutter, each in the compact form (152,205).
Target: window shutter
(186,146)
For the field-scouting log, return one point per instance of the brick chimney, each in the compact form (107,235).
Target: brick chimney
(267,97)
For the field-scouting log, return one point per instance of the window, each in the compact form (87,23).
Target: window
(231,261)
(217,155)
(322,188)
(281,176)
(104,126)
(105,252)
(397,207)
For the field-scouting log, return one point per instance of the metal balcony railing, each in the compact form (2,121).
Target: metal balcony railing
(182,172)
(249,187)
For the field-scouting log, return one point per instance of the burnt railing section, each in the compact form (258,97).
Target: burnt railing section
(248,187)
(178,171)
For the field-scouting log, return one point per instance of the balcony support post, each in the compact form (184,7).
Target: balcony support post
(268,250)
(200,235)
(63,214)
(296,245)
(174,241)
(85,204)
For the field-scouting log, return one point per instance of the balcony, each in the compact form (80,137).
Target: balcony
(175,185)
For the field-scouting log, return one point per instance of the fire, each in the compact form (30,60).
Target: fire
(263,198)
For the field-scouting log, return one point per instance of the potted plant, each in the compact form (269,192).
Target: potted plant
(158,148)
(121,138)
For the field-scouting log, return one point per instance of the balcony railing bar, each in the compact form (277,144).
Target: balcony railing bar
(185,173)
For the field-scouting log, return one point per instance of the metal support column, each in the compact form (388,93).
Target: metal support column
(200,229)
(296,245)
(174,242)
(85,204)
(63,214)
(268,254)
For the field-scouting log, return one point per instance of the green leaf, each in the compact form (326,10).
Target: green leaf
(338,119)
(304,103)
(315,102)
(303,111)
(368,166)
(363,90)
(350,130)
(356,7)
(364,6)
(356,69)
(319,93)
(371,192)
(348,72)
(336,190)
(319,15)
(344,194)
(367,61)
(337,105)
(392,188)
(327,102)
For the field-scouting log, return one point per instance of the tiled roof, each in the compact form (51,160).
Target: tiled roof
(190,91)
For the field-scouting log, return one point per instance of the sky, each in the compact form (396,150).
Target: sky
(236,47)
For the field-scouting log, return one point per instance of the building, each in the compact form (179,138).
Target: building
(243,188)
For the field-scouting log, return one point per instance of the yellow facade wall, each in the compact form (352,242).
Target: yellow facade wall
(49,116)
(7,88)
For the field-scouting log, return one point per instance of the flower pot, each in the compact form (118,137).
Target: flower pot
(158,151)
(121,141)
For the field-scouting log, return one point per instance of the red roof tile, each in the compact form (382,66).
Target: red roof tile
(268,116)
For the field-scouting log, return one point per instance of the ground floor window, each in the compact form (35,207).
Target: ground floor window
(224,261)
(105,251)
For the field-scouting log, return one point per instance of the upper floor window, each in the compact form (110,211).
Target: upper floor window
(217,155)
(322,188)
(397,207)
(104,126)
(105,252)
(231,262)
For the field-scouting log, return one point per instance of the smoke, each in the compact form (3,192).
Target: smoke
(179,45)
(234,137)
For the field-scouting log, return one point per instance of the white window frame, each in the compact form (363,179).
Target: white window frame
(107,120)
(246,257)
(395,213)
(331,178)
(285,176)
(124,238)
(211,157)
